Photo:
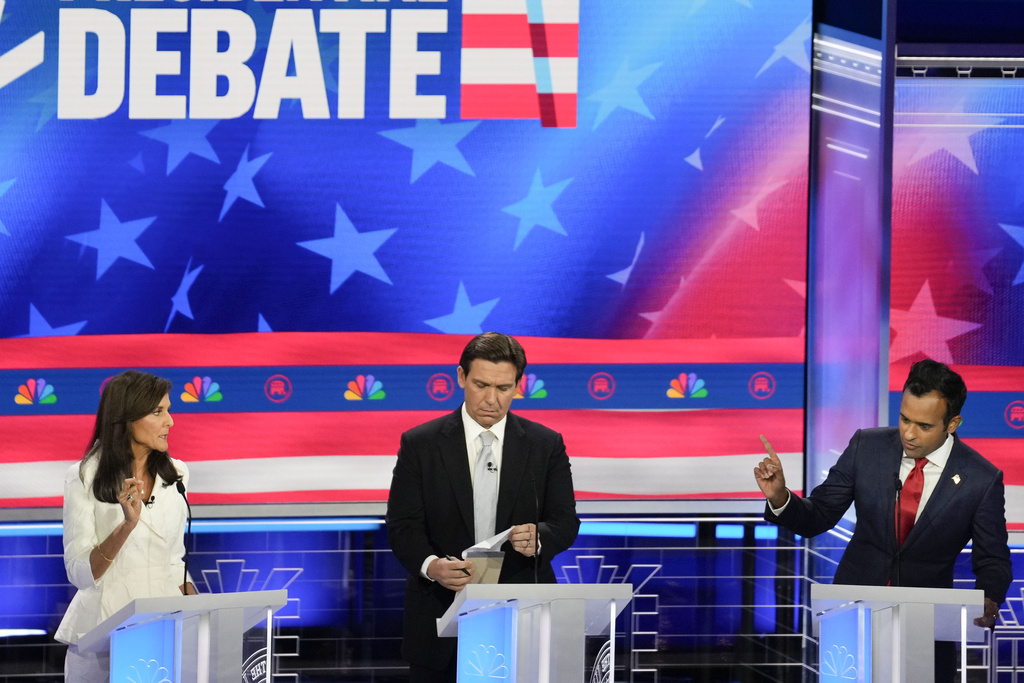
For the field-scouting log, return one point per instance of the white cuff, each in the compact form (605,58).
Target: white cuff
(777,512)
(423,567)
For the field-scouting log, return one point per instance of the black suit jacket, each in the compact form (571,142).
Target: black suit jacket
(865,475)
(430,512)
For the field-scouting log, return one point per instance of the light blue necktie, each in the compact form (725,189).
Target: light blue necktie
(485,489)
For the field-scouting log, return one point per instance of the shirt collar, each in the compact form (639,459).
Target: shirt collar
(474,429)
(940,455)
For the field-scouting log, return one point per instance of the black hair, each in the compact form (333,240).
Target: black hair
(928,375)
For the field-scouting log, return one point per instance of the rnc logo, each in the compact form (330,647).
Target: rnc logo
(278,388)
(601,385)
(1014,415)
(761,385)
(440,386)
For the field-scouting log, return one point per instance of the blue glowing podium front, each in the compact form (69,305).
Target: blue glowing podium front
(532,632)
(887,634)
(185,638)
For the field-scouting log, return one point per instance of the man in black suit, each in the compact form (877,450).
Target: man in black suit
(431,517)
(961,500)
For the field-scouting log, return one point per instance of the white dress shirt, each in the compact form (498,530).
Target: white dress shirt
(474,443)
(932,473)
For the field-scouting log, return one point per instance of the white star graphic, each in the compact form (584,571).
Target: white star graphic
(794,47)
(433,142)
(114,240)
(697,4)
(350,250)
(969,267)
(38,327)
(748,212)
(465,318)
(536,210)
(623,92)
(1017,233)
(4,186)
(955,139)
(622,276)
(179,302)
(241,185)
(184,137)
(922,329)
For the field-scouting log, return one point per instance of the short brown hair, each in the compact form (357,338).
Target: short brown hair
(496,348)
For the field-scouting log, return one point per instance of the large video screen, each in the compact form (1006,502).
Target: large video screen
(957,241)
(300,211)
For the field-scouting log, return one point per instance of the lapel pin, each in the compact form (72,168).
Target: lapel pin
(956,478)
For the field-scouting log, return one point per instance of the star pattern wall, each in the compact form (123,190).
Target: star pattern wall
(450,226)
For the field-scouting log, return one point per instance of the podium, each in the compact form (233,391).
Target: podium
(531,632)
(184,637)
(888,633)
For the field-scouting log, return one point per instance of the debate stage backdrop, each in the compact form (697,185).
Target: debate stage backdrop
(958,255)
(300,211)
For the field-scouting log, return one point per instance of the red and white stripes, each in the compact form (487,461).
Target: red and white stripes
(520,60)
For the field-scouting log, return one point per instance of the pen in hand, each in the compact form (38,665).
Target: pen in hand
(461,569)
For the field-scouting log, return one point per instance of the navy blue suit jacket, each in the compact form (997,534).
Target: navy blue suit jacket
(430,512)
(865,475)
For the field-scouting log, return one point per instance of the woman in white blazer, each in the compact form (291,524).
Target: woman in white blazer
(124,519)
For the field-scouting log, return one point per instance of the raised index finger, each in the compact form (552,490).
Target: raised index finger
(771,451)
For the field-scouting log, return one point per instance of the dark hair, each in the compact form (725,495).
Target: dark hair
(496,348)
(127,397)
(928,375)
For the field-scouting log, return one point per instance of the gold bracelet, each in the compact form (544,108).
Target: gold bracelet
(102,555)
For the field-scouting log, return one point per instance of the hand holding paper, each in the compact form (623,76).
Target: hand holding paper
(487,558)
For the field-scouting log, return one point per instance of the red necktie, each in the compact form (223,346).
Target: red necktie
(910,498)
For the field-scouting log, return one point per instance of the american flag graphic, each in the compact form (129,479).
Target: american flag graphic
(520,60)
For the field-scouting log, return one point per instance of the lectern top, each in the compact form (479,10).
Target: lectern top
(596,596)
(254,606)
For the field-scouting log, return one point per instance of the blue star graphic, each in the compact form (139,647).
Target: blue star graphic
(179,302)
(4,186)
(466,318)
(47,98)
(184,137)
(536,208)
(623,92)
(432,142)
(794,48)
(114,240)
(38,327)
(262,325)
(240,183)
(263,20)
(1017,233)
(350,250)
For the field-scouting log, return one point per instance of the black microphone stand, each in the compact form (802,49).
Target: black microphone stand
(899,526)
(188,533)
(536,539)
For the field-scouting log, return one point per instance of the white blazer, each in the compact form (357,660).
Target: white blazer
(149,563)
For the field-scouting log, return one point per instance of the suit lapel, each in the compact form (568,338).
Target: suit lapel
(890,474)
(515,454)
(456,463)
(947,488)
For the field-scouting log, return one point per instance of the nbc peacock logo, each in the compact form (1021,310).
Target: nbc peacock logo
(687,385)
(35,392)
(531,387)
(201,390)
(365,387)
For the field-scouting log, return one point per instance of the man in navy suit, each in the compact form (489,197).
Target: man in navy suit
(431,518)
(961,500)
